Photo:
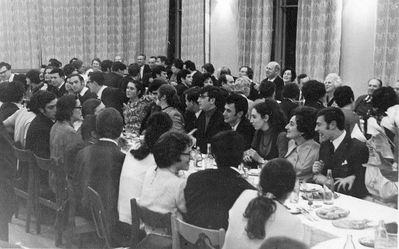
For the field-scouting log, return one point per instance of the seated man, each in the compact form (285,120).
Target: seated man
(192,108)
(211,120)
(99,166)
(363,106)
(340,153)
(235,111)
(79,88)
(210,193)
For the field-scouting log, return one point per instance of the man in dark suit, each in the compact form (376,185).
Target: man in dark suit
(197,76)
(111,97)
(78,86)
(145,70)
(363,106)
(235,110)
(7,75)
(211,120)
(115,77)
(340,153)
(210,193)
(99,166)
(193,111)
(273,75)
(57,82)
(290,96)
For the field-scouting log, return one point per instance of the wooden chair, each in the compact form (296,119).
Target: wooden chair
(156,221)
(26,157)
(192,233)
(58,205)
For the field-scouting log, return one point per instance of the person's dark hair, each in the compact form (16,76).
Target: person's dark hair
(250,72)
(227,148)
(142,54)
(89,106)
(213,92)
(343,95)
(270,107)
(209,68)
(222,79)
(157,124)
(333,114)
(106,65)
(55,63)
(68,69)
(267,89)
(5,64)
(80,77)
(158,69)
(163,58)
(182,74)
(313,90)
(169,147)
(291,91)
(73,60)
(65,106)
(156,84)
(377,79)
(88,126)
(383,98)
(117,65)
(13,92)
(276,181)
(190,65)
(59,71)
(139,87)
(178,63)
(133,69)
(293,73)
(283,242)
(32,104)
(305,117)
(77,64)
(225,70)
(109,123)
(172,99)
(97,77)
(192,93)
(240,103)
(301,76)
(33,75)
(96,59)
(206,76)
(42,98)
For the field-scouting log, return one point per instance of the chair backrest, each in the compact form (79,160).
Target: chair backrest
(98,214)
(23,155)
(192,233)
(150,218)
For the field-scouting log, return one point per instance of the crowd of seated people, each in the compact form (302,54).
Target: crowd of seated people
(292,127)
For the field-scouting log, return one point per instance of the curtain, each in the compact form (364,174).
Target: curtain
(156,23)
(318,41)
(255,35)
(192,31)
(386,51)
(20,33)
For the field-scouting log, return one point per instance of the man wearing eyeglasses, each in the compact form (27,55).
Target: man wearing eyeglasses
(7,75)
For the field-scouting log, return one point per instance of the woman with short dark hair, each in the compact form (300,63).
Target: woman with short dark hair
(259,215)
(303,151)
(169,102)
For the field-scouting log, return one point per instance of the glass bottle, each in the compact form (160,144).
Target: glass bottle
(328,187)
(381,236)
(349,242)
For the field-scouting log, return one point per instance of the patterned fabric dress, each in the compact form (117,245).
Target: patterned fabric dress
(135,112)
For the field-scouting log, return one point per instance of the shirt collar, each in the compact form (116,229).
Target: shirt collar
(108,140)
(100,92)
(336,142)
(234,128)
(84,90)
(11,78)
(235,169)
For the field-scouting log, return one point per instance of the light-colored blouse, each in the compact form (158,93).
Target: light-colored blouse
(302,157)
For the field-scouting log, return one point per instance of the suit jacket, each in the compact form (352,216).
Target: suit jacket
(113,79)
(197,79)
(113,97)
(147,74)
(210,194)
(363,105)
(288,106)
(20,78)
(38,136)
(86,96)
(59,92)
(279,87)
(247,131)
(99,166)
(345,161)
(190,120)
(216,124)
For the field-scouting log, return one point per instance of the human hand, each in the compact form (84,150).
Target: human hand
(345,182)
(319,179)
(248,155)
(317,167)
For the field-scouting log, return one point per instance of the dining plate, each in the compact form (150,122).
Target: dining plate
(332,213)
(352,223)
(310,187)
(317,195)
(367,241)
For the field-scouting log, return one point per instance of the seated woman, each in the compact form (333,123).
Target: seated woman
(11,96)
(270,139)
(162,187)
(137,108)
(257,216)
(92,107)
(138,161)
(288,75)
(168,100)
(303,151)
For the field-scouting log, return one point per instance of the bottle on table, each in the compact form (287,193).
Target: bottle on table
(197,156)
(328,187)
(349,242)
(208,158)
(381,236)
(295,193)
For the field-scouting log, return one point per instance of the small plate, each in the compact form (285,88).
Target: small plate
(367,241)
(357,224)
(332,213)
(310,187)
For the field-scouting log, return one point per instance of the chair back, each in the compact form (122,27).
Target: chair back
(98,214)
(193,233)
(150,218)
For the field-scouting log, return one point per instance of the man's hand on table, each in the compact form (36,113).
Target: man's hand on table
(345,183)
